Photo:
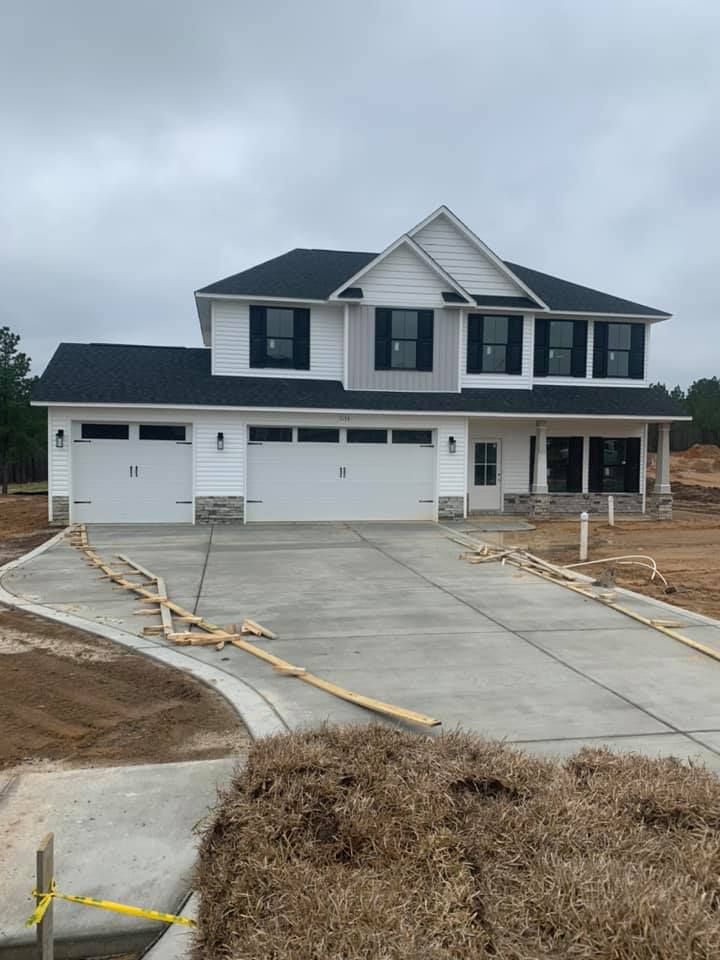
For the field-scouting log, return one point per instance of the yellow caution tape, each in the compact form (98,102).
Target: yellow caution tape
(46,899)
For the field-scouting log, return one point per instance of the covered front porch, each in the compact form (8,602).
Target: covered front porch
(545,467)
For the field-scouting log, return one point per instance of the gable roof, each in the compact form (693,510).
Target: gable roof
(101,373)
(309,274)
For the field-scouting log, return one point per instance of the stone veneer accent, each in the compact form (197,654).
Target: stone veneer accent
(539,505)
(219,509)
(60,511)
(661,505)
(451,508)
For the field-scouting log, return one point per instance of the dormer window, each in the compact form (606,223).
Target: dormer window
(280,337)
(619,350)
(403,339)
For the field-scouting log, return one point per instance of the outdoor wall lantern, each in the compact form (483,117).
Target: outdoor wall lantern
(452,444)
(60,439)
(221,440)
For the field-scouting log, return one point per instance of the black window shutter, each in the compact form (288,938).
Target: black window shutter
(382,338)
(542,334)
(514,345)
(637,351)
(632,465)
(301,341)
(595,480)
(575,460)
(476,323)
(533,439)
(600,348)
(424,357)
(578,357)
(258,336)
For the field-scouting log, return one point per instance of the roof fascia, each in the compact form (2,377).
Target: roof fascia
(479,245)
(255,296)
(488,415)
(407,241)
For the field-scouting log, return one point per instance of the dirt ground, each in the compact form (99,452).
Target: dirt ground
(75,700)
(23,525)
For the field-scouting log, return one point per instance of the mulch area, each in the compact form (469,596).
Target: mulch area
(366,842)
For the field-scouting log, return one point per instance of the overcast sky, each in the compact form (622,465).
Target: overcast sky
(149,148)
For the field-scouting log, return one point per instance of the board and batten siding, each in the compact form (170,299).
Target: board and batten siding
(403,279)
(464,261)
(521,381)
(231,342)
(362,374)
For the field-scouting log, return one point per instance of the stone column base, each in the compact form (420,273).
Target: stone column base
(661,505)
(60,511)
(538,506)
(219,509)
(451,508)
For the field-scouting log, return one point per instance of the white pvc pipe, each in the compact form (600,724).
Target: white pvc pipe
(611,511)
(584,535)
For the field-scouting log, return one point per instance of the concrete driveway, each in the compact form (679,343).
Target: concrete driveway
(390,611)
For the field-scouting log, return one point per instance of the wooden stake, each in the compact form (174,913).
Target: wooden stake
(45,868)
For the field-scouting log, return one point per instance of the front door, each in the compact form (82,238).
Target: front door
(485,476)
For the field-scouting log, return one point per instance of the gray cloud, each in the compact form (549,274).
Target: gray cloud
(150,148)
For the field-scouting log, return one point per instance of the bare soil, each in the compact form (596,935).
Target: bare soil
(68,699)
(23,525)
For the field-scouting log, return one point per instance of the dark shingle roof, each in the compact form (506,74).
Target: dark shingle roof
(314,274)
(114,373)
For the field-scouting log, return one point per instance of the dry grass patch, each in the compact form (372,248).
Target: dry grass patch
(368,842)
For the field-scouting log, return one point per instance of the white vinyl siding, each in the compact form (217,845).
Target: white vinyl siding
(451,466)
(522,381)
(220,473)
(59,459)
(231,343)
(475,272)
(403,279)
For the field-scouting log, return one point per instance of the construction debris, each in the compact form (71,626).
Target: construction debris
(210,634)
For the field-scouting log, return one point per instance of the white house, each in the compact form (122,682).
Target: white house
(429,381)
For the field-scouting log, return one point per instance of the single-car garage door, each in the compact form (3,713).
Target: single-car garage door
(131,473)
(329,473)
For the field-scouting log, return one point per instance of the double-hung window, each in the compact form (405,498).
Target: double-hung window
(619,350)
(560,348)
(280,337)
(614,465)
(494,344)
(403,339)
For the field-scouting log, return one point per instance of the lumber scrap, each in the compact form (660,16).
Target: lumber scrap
(249,626)
(165,614)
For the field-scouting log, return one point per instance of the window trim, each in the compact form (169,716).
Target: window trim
(475,343)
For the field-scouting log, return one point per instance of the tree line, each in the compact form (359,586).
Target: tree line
(701,401)
(23,429)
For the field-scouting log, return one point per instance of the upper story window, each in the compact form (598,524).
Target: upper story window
(619,350)
(560,347)
(494,344)
(280,337)
(403,339)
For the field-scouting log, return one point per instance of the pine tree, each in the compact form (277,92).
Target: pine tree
(19,422)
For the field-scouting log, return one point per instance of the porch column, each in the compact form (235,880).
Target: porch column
(540,484)
(662,472)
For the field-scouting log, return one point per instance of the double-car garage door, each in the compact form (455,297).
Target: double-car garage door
(329,473)
(143,473)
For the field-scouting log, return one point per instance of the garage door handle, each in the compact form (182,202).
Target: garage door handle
(136,471)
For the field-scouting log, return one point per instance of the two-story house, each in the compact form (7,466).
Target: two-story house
(430,381)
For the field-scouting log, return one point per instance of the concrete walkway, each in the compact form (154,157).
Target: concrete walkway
(388,610)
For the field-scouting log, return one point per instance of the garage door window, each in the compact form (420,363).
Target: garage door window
(271,434)
(161,431)
(318,435)
(423,437)
(367,436)
(105,431)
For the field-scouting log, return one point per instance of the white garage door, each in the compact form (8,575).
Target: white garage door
(132,473)
(325,473)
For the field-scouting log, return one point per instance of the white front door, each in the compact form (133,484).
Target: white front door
(131,473)
(484,482)
(337,474)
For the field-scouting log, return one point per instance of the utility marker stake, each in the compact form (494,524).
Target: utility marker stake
(611,511)
(584,535)
(45,875)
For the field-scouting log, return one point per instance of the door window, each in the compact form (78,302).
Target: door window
(486,464)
